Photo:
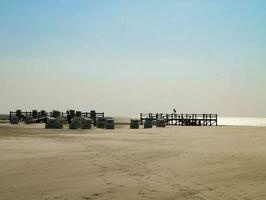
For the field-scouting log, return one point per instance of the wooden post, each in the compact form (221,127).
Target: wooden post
(172,118)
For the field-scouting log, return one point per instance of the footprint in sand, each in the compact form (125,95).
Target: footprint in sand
(86,198)
(90,197)
(141,192)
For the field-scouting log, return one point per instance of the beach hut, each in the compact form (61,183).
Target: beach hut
(53,123)
(134,123)
(148,123)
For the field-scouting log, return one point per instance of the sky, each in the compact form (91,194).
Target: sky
(124,57)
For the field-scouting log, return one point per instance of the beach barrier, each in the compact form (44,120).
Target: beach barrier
(134,124)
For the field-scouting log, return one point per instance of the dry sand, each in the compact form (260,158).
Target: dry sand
(160,163)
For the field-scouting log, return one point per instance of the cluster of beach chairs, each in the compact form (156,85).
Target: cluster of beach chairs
(102,123)
(76,120)
(84,120)
(81,120)
(78,123)
(148,123)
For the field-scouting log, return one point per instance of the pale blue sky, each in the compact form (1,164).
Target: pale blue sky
(126,57)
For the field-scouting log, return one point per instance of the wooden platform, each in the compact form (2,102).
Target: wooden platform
(182,119)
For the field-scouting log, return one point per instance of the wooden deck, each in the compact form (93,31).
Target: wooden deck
(182,119)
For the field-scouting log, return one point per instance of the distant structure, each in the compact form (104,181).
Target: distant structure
(181,119)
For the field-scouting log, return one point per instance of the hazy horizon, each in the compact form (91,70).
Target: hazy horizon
(127,57)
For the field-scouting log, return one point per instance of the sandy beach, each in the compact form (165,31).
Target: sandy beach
(160,163)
